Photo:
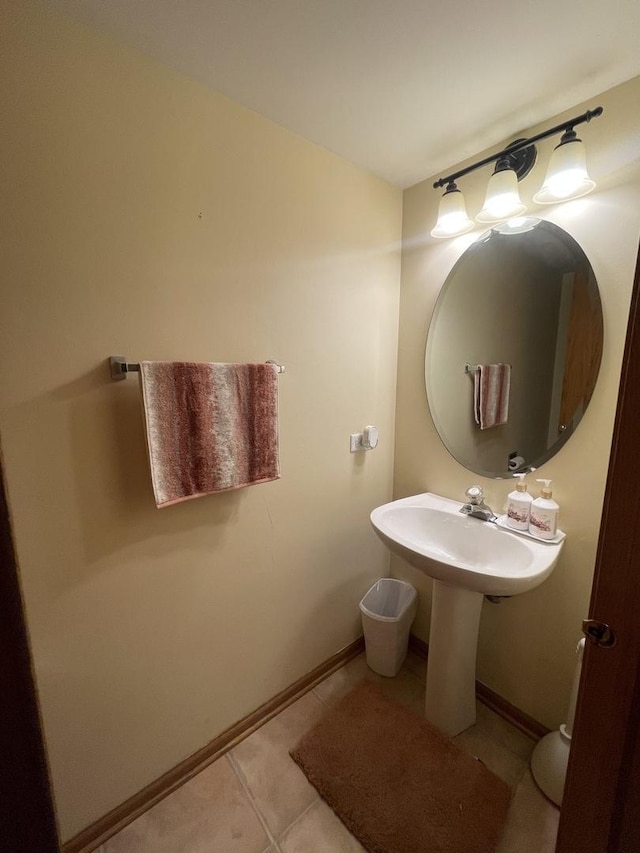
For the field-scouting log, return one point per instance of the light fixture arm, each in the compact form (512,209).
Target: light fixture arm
(519,145)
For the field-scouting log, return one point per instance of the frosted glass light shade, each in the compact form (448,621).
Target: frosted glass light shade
(567,176)
(503,199)
(452,215)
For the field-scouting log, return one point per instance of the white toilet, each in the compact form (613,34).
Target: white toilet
(551,755)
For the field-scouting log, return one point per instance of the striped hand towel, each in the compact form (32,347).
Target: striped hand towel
(210,427)
(491,383)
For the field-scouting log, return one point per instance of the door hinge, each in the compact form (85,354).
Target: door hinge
(599,633)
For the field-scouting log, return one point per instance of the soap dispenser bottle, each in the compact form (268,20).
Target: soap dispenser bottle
(519,505)
(543,521)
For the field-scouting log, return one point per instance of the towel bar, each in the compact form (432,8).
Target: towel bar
(119,366)
(472,368)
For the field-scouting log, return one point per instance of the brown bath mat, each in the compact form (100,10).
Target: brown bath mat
(397,783)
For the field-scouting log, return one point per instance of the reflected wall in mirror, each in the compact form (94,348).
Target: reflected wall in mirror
(529,299)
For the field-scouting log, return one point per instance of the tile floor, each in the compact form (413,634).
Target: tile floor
(255,799)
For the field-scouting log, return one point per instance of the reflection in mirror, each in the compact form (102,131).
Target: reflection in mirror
(527,298)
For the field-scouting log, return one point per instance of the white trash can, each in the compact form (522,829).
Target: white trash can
(388,610)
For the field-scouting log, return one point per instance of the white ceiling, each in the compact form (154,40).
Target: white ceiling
(405,89)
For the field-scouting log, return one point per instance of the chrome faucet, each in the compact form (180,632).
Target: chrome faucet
(475,506)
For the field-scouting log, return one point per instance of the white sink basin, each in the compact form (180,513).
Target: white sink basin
(467,559)
(430,533)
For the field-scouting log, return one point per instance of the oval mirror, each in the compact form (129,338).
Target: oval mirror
(524,299)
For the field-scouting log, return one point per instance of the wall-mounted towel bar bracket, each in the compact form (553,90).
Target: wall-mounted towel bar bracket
(120,367)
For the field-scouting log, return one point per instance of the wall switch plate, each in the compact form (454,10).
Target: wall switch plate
(355,442)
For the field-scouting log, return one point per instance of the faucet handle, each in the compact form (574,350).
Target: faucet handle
(475,494)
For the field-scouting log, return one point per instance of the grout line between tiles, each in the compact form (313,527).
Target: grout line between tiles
(245,786)
(500,743)
(317,695)
(297,818)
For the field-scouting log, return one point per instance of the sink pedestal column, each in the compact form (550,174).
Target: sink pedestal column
(451,668)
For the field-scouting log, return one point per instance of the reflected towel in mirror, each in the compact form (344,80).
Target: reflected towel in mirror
(491,383)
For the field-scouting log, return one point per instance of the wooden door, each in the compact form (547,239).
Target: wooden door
(601,806)
(584,346)
(27,820)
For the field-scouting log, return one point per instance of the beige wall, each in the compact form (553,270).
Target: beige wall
(526,647)
(149,217)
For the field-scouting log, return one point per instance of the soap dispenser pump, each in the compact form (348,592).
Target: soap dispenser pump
(543,521)
(519,505)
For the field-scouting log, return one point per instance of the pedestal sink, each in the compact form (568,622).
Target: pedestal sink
(467,559)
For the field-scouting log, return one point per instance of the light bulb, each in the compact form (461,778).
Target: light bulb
(452,214)
(502,200)
(567,176)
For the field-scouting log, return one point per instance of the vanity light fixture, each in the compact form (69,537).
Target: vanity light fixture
(503,199)
(452,216)
(566,179)
(567,172)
